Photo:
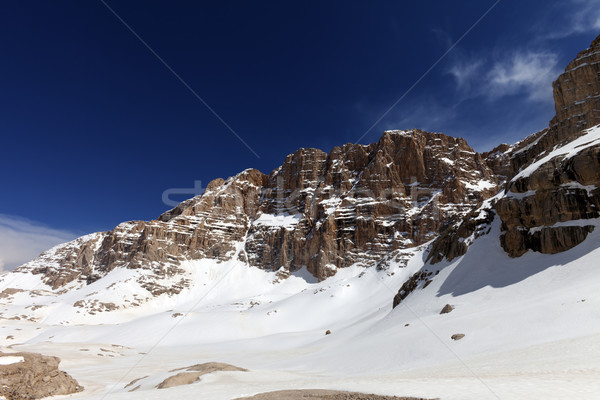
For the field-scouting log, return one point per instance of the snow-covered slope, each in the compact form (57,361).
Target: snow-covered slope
(332,272)
(318,212)
(529,324)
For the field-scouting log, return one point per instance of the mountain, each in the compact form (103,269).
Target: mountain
(412,264)
(551,178)
(362,204)
(318,211)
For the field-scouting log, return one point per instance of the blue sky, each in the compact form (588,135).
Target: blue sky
(95,127)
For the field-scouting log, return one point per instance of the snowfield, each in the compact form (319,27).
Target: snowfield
(531,326)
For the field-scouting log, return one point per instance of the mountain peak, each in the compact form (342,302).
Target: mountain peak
(317,211)
(358,205)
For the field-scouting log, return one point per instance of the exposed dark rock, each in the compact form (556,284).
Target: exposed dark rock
(316,394)
(536,208)
(577,104)
(452,241)
(577,92)
(547,240)
(447,309)
(559,191)
(319,211)
(411,285)
(499,161)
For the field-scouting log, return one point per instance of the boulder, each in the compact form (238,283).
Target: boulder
(447,309)
(35,377)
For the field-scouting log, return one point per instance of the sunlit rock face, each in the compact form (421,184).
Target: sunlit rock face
(321,211)
(577,93)
(362,204)
(558,175)
(552,177)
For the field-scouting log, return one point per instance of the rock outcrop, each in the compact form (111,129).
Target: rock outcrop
(419,280)
(577,93)
(455,238)
(552,177)
(552,187)
(35,377)
(448,308)
(546,210)
(361,204)
(317,211)
(316,394)
(192,374)
(577,104)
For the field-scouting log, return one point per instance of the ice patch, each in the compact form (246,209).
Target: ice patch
(7,360)
(287,221)
(577,185)
(480,185)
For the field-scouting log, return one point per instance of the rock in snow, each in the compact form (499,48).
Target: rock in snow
(447,309)
(192,374)
(316,394)
(33,376)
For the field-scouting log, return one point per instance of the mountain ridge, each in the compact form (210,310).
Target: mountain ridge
(311,198)
(410,266)
(362,205)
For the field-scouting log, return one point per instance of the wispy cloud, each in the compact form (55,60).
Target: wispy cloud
(526,72)
(503,91)
(465,73)
(578,16)
(488,86)
(22,240)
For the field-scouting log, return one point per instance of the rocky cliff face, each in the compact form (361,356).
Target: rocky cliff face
(545,206)
(577,103)
(552,177)
(557,173)
(363,203)
(359,203)
(577,93)
(317,211)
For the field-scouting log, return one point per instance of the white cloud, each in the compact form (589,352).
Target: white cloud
(527,72)
(465,72)
(580,16)
(22,240)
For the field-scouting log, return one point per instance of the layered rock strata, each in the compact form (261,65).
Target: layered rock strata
(319,211)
